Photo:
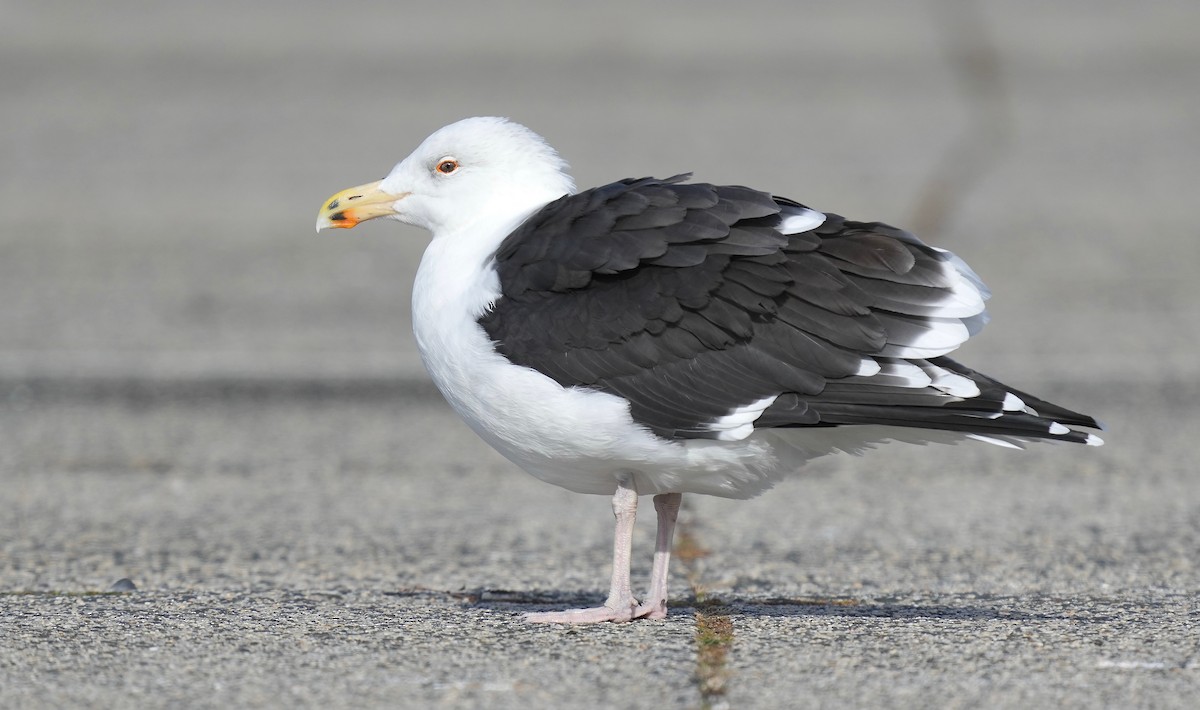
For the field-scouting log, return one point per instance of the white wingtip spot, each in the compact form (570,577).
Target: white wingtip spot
(939,336)
(1093,440)
(1013,403)
(901,373)
(1058,429)
(794,220)
(868,367)
(739,423)
(951,383)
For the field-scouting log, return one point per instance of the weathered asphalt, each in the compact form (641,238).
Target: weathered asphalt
(199,395)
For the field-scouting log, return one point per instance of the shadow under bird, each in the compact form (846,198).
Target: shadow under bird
(661,337)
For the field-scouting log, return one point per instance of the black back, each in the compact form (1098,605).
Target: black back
(689,302)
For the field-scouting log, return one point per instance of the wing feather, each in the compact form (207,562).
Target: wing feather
(694,301)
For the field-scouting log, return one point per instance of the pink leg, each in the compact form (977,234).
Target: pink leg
(655,604)
(620,603)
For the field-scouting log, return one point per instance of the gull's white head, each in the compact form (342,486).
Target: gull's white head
(478,168)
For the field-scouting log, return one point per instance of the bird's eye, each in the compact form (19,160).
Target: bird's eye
(447,165)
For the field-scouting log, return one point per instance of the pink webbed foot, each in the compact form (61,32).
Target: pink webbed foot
(600,614)
(581,616)
(651,610)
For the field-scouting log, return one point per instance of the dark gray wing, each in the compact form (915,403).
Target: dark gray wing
(716,309)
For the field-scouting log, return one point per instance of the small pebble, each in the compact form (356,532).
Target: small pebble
(123,584)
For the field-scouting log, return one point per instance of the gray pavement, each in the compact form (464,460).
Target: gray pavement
(199,395)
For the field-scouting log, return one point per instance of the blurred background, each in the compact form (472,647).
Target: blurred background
(201,395)
(161,163)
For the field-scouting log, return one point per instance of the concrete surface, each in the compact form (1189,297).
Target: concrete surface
(199,395)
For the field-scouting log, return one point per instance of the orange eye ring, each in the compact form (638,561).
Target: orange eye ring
(446,166)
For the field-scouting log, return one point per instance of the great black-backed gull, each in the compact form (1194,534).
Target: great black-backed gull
(660,337)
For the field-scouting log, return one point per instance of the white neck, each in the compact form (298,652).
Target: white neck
(455,284)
